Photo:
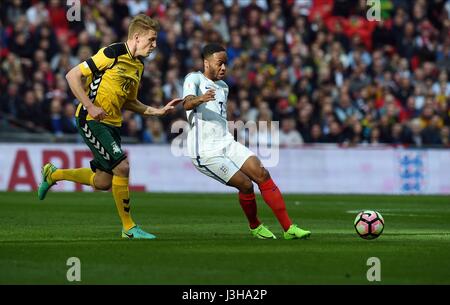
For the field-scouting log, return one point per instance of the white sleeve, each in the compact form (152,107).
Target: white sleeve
(191,84)
(226,91)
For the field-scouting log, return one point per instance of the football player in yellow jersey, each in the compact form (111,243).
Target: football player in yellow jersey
(113,76)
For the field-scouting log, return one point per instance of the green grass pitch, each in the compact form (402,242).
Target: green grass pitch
(203,239)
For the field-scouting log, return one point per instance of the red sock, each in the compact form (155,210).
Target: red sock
(248,204)
(272,196)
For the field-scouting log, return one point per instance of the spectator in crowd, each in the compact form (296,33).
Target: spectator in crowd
(173,86)
(374,136)
(415,137)
(68,120)
(334,135)
(289,136)
(154,132)
(397,134)
(56,117)
(316,134)
(30,111)
(11,101)
(445,136)
(431,134)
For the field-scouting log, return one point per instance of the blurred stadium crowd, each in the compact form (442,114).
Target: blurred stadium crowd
(319,67)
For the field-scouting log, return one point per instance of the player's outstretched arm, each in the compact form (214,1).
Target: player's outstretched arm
(135,106)
(140,108)
(192,101)
(74,78)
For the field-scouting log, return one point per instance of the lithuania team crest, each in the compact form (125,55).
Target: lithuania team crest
(116,149)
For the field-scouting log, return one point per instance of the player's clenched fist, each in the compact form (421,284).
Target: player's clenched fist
(97,113)
(209,95)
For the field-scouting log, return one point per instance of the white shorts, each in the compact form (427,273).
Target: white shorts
(223,167)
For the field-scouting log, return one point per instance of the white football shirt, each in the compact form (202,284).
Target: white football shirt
(209,126)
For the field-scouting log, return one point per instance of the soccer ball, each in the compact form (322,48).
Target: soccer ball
(369,224)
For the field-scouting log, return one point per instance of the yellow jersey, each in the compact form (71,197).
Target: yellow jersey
(113,77)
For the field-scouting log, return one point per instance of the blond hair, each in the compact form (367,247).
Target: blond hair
(142,23)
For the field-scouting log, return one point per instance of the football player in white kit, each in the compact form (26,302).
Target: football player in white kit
(215,153)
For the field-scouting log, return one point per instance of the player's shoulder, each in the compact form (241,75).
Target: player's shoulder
(115,50)
(222,84)
(193,76)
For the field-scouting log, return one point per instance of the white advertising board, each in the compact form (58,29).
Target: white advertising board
(322,170)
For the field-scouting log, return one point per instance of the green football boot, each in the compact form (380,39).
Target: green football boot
(295,232)
(137,233)
(262,232)
(47,182)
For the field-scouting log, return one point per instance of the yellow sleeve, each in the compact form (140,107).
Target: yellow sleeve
(97,63)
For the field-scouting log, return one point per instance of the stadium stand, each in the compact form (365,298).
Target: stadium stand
(319,67)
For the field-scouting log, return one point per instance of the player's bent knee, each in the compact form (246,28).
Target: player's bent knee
(102,185)
(122,169)
(263,175)
(246,187)
(105,186)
